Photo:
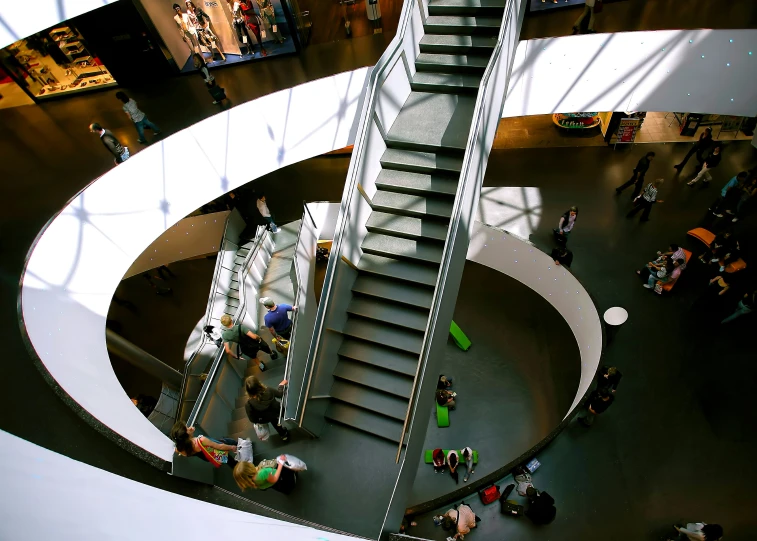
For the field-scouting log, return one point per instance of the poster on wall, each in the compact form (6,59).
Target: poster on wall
(627,130)
(217,32)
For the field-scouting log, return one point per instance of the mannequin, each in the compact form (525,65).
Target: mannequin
(201,22)
(187,29)
(244,12)
(269,17)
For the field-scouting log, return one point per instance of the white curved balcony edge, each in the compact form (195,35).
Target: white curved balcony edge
(511,256)
(79,259)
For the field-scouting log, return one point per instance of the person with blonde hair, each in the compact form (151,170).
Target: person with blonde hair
(267,474)
(262,407)
(246,342)
(646,199)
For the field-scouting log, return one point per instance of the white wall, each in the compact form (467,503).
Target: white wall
(80,258)
(636,71)
(507,254)
(50,496)
(23,18)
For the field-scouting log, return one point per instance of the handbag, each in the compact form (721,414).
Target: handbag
(489,494)
(293,463)
(261,431)
(282,345)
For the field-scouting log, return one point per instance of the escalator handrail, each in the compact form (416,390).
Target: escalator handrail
(472,146)
(369,105)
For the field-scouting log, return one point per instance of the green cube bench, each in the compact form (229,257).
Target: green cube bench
(442,416)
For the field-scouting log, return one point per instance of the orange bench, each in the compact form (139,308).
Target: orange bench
(667,286)
(701,234)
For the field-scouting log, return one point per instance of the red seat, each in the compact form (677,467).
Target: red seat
(701,234)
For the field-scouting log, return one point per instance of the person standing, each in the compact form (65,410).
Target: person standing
(120,152)
(646,200)
(266,213)
(637,178)
(739,179)
(262,407)
(138,117)
(711,162)
(745,306)
(247,342)
(750,188)
(599,401)
(701,146)
(590,9)
(277,319)
(609,378)
(565,225)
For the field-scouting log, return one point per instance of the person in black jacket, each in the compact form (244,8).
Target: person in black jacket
(562,256)
(609,378)
(701,146)
(541,506)
(599,401)
(262,406)
(120,152)
(711,162)
(637,177)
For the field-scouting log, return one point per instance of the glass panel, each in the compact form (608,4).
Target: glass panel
(57,61)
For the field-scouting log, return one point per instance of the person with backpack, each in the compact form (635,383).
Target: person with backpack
(247,342)
(120,152)
(262,406)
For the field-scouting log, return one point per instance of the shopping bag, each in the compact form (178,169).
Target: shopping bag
(244,450)
(282,345)
(293,463)
(262,33)
(274,28)
(261,430)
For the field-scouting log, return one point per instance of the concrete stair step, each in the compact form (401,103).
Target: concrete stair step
(457,44)
(376,378)
(462,24)
(411,205)
(366,421)
(466,7)
(377,355)
(393,290)
(238,413)
(238,425)
(369,399)
(432,122)
(407,227)
(397,269)
(452,63)
(388,335)
(402,248)
(391,180)
(457,83)
(390,313)
(422,162)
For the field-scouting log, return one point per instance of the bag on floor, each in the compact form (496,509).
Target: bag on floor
(523,478)
(489,494)
(244,450)
(282,345)
(262,432)
(293,463)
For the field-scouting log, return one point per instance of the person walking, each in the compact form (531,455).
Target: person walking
(591,8)
(266,213)
(262,407)
(646,200)
(277,319)
(637,177)
(711,162)
(737,180)
(599,401)
(138,117)
(247,342)
(120,152)
(565,225)
(268,474)
(745,306)
(699,147)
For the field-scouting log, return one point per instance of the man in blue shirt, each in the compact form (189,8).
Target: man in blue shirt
(277,319)
(739,179)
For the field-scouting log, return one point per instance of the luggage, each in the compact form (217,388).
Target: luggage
(509,507)
(489,494)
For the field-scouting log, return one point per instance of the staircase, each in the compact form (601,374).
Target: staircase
(387,315)
(232,293)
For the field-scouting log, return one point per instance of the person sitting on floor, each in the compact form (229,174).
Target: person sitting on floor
(541,506)
(461,519)
(562,256)
(446,398)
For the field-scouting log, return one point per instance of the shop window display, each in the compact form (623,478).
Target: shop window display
(221,31)
(57,61)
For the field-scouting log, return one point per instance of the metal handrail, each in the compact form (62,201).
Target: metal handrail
(261,235)
(208,312)
(456,216)
(288,367)
(387,58)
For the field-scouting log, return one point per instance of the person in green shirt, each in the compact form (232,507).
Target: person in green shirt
(246,342)
(267,474)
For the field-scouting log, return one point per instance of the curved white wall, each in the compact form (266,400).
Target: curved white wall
(509,255)
(78,261)
(706,71)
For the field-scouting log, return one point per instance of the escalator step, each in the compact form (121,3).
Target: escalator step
(393,290)
(395,268)
(388,312)
(390,359)
(369,399)
(358,418)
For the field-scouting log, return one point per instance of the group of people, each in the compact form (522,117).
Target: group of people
(665,269)
(602,397)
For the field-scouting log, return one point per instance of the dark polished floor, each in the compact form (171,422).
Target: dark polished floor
(514,385)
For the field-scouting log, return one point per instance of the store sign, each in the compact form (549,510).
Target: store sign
(627,130)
